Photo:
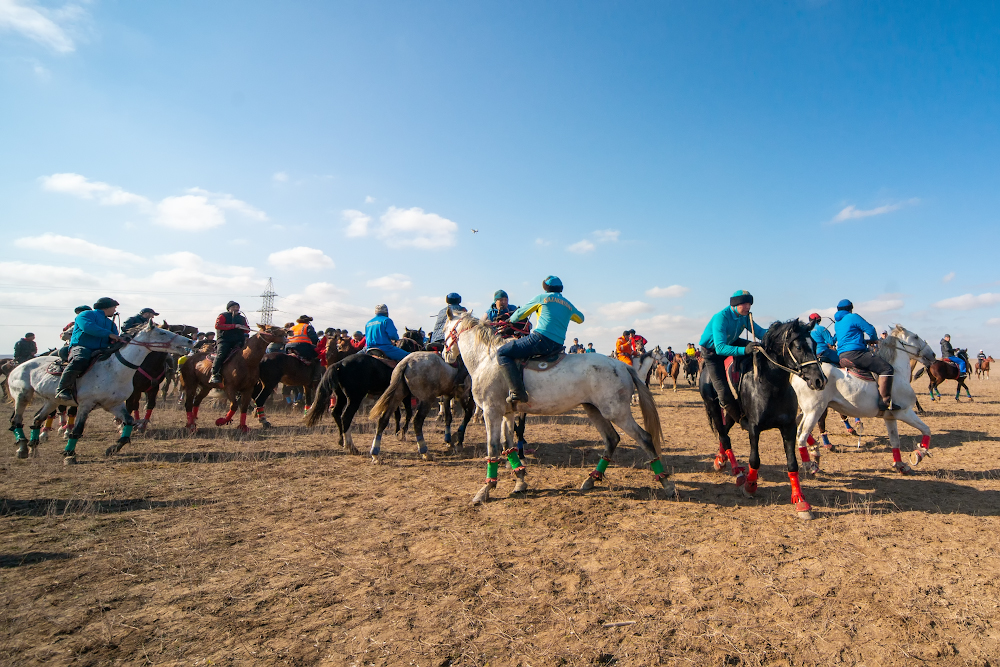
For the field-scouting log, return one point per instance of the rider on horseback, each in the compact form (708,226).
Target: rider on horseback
(25,349)
(554,315)
(380,333)
(721,339)
(233,329)
(303,339)
(852,346)
(948,353)
(501,308)
(825,343)
(623,348)
(454,302)
(93,330)
(144,316)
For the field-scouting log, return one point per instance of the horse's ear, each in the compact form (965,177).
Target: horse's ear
(261,327)
(150,325)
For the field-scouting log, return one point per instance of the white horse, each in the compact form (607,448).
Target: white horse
(601,385)
(850,395)
(107,384)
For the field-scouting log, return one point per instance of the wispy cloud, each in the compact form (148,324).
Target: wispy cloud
(415,228)
(357,223)
(883,304)
(75,247)
(369,199)
(948,278)
(582,247)
(993,321)
(542,242)
(392,282)
(280,177)
(969,301)
(623,310)
(607,235)
(852,212)
(47,27)
(672,292)
(300,257)
(230,203)
(84,188)
(189,213)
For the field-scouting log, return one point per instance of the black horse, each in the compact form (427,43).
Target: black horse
(351,380)
(767,401)
(148,376)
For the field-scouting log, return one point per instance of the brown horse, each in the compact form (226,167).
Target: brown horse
(671,370)
(983,368)
(240,374)
(338,349)
(149,375)
(287,369)
(939,371)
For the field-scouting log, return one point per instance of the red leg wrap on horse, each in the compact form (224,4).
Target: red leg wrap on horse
(194,411)
(149,413)
(751,476)
(230,413)
(809,441)
(135,415)
(896,456)
(804,451)
(732,460)
(925,442)
(793,478)
(722,448)
(243,419)
(191,417)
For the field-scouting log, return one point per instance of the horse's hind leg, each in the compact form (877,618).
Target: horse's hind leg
(36,428)
(627,423)
(128,423)
(17,422)
(802,507)
(418,427)
(83,412)
(352,407)
(805,441)
(517,467)
(611,439)
(897,460)
(468,408)
(519,432)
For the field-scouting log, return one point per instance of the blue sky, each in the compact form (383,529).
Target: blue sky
(656,156)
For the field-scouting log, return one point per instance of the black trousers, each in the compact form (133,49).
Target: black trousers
(865,360)
(305,350)
(222,353)
(715,367)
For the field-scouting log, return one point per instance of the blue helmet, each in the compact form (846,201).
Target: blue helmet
(552,284)
(500,294)
(453,299)
(845,304)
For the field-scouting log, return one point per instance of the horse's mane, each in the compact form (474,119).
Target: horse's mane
(484,333)
(888,350)
(779,331)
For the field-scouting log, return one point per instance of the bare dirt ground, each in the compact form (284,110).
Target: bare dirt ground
(280,548)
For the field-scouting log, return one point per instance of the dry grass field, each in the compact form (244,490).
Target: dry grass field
(280,548)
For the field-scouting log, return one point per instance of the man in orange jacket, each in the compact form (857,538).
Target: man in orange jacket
(623,348)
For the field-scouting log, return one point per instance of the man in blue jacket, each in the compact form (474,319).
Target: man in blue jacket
(93,330)
(555,312)
(851,329)
(721,339)
(823,340)
(380,334)
(501,308)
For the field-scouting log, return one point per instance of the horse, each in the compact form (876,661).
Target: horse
(240,374)
(691,368)
(670,369)
(107,384)
(351,380)
(289,370)
(767,400)
(940,370)
(601,385)
(338,349)
(851,395)
(425,376)
(148,376)
(983,368)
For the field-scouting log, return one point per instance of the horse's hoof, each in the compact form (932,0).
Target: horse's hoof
(266,424)
(918,454)
(902,468)
(243,428)
(221,421)
(719,463)
(805,516)
(69,460)
(376,459)
(32,452)
(588,484)
(481,497)
(520,487)
(44,435)
(22,452)
(669,489)
(192,428)
(810,468)
(741,476)
(427,456)
(750,490)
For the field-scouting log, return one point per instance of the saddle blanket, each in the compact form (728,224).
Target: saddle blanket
(732,375)
(540,364)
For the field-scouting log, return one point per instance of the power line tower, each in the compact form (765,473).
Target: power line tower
(267,309)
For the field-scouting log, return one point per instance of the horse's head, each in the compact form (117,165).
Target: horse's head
(912,344)
(791,345)
(415,334)
(457,323)
(271,334)
(158,339)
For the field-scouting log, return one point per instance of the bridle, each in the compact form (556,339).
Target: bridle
(152,345)
(800,366)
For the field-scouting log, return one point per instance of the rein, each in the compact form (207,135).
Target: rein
(800,366)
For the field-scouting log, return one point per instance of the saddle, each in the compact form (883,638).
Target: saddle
(211,357)
(859,373)
(541,363)
(57,367)
(733,375)
(307,362)
(380,355)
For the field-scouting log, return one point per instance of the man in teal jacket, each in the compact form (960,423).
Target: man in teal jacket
(555,312)
(721,339)
(93,330)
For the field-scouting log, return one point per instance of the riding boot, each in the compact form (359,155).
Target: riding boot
(732,410)
(885,393)
(515,381)
(67,385)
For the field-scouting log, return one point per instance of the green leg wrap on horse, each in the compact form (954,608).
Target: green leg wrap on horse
(127,431)
(19,434)
(492,469)
(35,432)
(602,465)
(656,466)
(70,446)
(514,460)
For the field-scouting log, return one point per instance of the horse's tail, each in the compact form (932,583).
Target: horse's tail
(321,401)
(920,371)
(650,415)
(394,393)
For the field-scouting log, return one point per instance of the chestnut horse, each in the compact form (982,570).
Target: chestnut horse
(939,371)
(671,370)
(983,368)
(240,374)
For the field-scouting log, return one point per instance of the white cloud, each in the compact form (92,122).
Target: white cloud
(621,310)
(280,177)
(357,223)
(47,276)
(969,301)
(883,304)
(582,247)
(230,203)
(39,24)
(369,199)
(854,213)
(300,257)
(948,278)
(542,242)
(66,245)
(607,235)
(392,282)
(189,213)
(993,321)
(672,292)
(415,228)
(81,186)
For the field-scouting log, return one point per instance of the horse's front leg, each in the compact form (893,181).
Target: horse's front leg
(376,448)
(492,419)
(897,459)
(749,487)
(517,467)
(611,439)
(121,411)
(418,428)
(245,398)
(802,508)
(228,418)
(522,418)
(82,413)
(30,448)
